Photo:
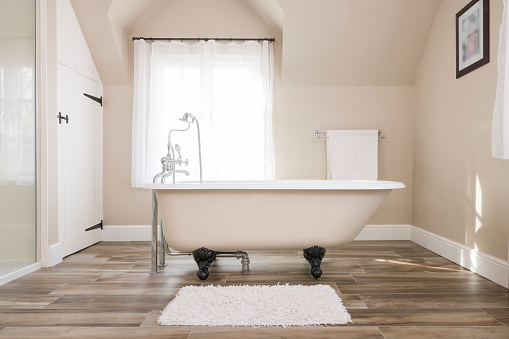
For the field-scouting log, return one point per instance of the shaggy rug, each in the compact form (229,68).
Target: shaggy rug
(255,306)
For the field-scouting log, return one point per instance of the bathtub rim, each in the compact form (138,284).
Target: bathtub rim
(281,184)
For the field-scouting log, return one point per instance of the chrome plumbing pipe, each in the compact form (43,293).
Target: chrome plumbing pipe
(153,263)
(239,255)
(199,149)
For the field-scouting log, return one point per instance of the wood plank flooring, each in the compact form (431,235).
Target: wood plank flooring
(392,289)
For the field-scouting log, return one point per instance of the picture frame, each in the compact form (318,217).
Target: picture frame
(472,37)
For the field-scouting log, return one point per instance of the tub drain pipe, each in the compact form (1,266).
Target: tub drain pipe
(239,255)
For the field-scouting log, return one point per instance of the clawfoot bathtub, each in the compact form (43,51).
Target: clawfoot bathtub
(263,215)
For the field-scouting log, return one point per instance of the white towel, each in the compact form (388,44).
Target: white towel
(352,155)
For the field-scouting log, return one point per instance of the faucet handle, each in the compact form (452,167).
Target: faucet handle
(180,161)
(177,148)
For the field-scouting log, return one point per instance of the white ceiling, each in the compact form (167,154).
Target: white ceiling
(325,42)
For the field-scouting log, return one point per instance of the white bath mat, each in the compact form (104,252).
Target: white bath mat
(260,305)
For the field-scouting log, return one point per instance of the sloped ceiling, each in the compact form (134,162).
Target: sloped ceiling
(325,42)
(354,42)
(270,10)
(106,25)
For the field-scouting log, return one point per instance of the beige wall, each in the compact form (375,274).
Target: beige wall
(123,205)
(459,191)
(299,155)
(297,112)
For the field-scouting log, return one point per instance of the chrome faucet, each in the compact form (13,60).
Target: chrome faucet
(170,160)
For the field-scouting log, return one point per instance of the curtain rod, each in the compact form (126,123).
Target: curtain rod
(206,39)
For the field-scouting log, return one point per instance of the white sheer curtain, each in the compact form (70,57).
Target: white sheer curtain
(500,128)
(227,86)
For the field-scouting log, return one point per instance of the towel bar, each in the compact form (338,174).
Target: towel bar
(317,133)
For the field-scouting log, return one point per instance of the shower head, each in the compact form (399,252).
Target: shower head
(188,116)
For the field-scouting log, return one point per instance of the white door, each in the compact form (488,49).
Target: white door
(80,160)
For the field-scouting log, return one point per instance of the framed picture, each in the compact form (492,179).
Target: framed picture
(472,37)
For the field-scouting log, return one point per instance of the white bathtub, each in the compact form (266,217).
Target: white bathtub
(258,215)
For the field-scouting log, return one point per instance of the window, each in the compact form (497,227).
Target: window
(228,87)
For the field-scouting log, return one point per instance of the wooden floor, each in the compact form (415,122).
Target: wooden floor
(392,289)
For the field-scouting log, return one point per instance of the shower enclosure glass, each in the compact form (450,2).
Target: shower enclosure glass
(17,135)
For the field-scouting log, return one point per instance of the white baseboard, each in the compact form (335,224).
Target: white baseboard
(54,254)
(127,233)
(483,264)
(19,273)
(385,232)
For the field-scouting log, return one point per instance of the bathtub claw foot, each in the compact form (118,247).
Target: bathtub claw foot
(204,258)
(314,256)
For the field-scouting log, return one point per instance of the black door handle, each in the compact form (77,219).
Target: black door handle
(60,118)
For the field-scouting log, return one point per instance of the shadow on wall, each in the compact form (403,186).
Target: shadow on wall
(488,212)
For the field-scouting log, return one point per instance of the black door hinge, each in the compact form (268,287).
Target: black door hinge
(96,99)
(99,225)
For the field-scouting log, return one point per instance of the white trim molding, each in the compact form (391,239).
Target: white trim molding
(4,279)
(483,264)
(54,254)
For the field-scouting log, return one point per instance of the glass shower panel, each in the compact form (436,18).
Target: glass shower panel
(17,135)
